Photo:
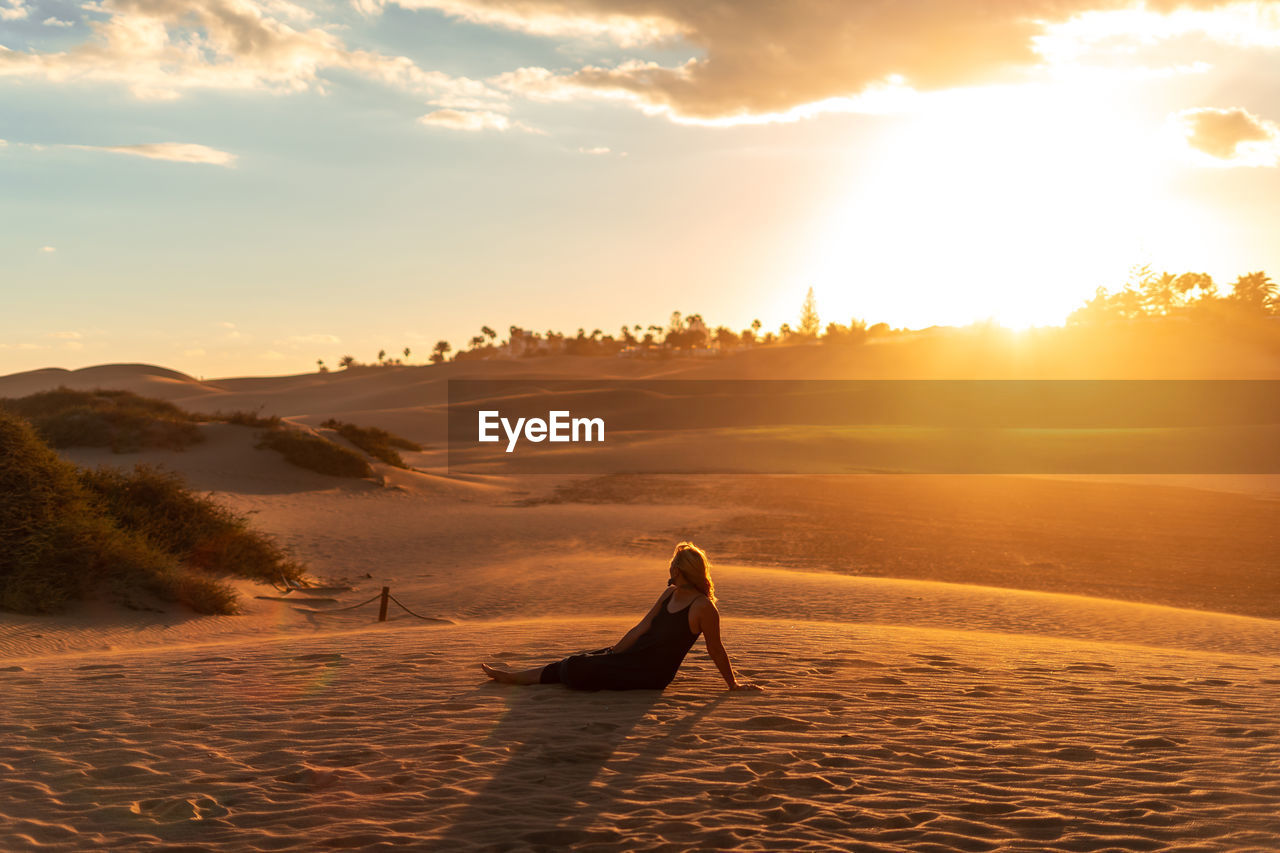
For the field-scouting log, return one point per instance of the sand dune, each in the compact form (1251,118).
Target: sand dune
(948,662)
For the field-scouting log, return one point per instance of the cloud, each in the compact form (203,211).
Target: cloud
(1232,137)
(467,120)
(230,333)
(13,10)
(625,27)
(160,49)
(760,60)
(295,340)
(597,151)
(473,120)
(178,152)
(48,250)
(51,21)
(66,336)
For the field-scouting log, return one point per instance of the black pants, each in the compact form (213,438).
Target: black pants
(551,672)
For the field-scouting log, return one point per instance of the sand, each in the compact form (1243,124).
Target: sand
(868,737)
(943,700)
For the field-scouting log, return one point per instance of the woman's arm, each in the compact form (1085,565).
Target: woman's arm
(709,622)
(629,639)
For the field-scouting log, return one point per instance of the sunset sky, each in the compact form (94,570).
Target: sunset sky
(232,187)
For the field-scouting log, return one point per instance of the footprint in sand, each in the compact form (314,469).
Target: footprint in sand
(321,656)
(777,723)
(179,809)
(310,777)
(93,666)
(1238,732)
(1165,688)
(825,695)
(883,679)
(134,773)
(937,660)
(1074,753)
(1157,742)
(11,669)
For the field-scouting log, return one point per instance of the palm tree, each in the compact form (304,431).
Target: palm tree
(406,353)
(347,362)
(382,356)
(438,353)
(320,366)
(488,333)
(1159,293)
(1255,290)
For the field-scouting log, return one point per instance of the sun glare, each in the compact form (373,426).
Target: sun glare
(1009,204)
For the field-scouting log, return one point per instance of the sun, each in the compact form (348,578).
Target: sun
(1010,204)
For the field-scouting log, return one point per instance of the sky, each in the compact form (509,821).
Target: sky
(241,187)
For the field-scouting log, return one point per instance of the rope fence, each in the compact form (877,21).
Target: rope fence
(384,598)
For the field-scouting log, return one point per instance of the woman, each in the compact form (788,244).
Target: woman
(648,657)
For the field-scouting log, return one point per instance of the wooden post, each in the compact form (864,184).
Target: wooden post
(382,611)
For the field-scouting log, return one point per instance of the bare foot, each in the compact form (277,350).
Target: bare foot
(498,674)
(506,676)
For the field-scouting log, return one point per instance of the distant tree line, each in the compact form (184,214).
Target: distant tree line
(1146,295)
(1190,295)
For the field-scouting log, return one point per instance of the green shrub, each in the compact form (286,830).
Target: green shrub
(68,533)
(121,420)
(378,443)
(249,419)
(205,535)
(315,453)
(57,543)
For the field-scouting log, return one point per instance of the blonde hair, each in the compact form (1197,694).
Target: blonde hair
(692,562)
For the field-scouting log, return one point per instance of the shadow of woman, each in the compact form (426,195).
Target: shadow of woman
(547,793)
